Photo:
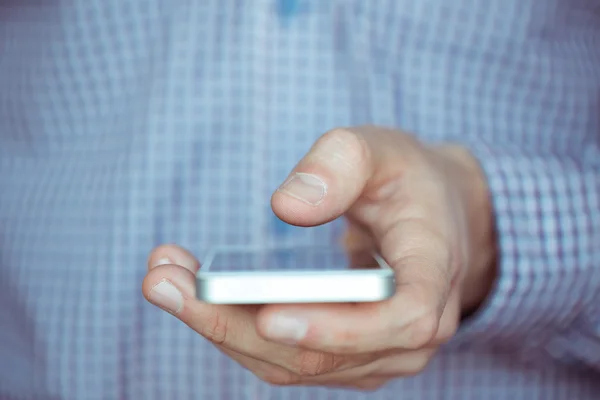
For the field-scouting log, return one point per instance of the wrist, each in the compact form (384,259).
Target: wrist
(481,270)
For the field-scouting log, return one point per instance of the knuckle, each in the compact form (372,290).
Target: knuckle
(446,332)
(216,328)
(422,331)
(418,365)
(314,363)
(346,145)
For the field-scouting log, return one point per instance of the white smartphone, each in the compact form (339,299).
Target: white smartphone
(293,275)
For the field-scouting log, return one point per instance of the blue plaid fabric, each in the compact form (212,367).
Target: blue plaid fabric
(129,123)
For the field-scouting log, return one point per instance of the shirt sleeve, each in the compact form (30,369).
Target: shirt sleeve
(546,299)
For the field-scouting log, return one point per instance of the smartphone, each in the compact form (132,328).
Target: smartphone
(293,275)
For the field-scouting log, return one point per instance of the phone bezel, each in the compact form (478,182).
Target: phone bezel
(288,286)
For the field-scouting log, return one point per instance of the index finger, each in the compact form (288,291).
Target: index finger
(231,326)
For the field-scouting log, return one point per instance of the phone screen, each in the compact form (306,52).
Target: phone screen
(290,259)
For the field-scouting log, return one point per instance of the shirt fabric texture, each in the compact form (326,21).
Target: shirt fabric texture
(126,124)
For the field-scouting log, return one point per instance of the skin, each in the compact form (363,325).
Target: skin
(425,208)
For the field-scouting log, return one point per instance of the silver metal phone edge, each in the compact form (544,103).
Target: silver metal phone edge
(207,283)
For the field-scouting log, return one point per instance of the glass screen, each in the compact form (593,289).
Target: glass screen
(290,259)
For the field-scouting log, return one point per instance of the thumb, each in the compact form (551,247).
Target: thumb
(327,181)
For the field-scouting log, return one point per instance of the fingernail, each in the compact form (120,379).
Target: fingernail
(287,329)
(166,296)
(162,261)
(305,187)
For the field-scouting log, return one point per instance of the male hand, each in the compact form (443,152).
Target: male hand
(425,208)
